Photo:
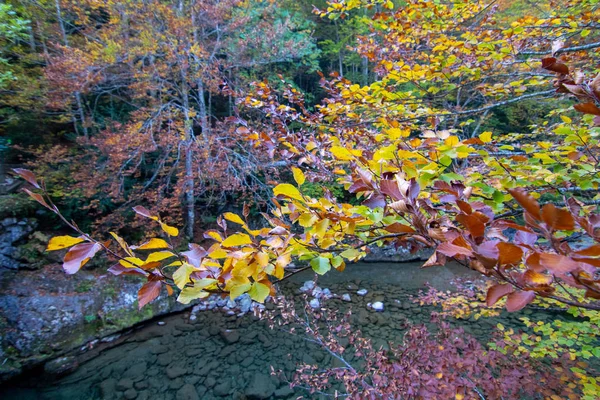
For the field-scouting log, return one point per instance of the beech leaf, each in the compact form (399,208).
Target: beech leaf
(518,300)
(62,242)
(78,256)
(497,292)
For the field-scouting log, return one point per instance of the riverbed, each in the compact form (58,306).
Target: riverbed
(213,355)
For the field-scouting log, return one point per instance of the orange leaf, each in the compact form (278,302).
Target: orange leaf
(587,108)
(526,201)
(536,279)
(552,64)
(510,254)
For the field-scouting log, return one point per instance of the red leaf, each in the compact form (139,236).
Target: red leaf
(526,201)
(587,108)
(592,251)
(390,187)
(118,269)
(79,255)
(519,300)
(28,176)
(452,250)
(558,263)
(148,292)
(195,255)
(144,212)
(552,64)
(38,198)
(497,292)
(436,259)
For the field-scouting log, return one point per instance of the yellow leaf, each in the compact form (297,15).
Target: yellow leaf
(238,239)
(153,244)
(287,190)
(259,292)
(130,262)
(62,242)
(159,256)
(182,276)
(486,137)
(307,220)
(191,293)
(234,218)
(565,119)
(169,230)
(321,227)
(122,243)
(298,176)
(262,259)
(341,153)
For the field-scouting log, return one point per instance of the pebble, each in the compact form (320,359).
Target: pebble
(362,292)
(308,286)
(314,303)
(161,323)
(377,306)
(346,297)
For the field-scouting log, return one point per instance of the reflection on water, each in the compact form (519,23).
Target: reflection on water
(217,356)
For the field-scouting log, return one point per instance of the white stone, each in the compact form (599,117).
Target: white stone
(314,303)
(362,292)
(326,293)
(308,286)
(377,306)
(346,297)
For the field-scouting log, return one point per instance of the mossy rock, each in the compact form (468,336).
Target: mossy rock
(17,205)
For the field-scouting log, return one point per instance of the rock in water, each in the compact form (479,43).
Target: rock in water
(362,292)
(346,297)
(230,336)
(314,303)
(377,306)
(260,387)
(60,365)
(187,392)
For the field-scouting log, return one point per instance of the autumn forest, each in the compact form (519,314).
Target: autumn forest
(212,155)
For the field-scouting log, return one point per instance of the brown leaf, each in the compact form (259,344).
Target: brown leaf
(510,254)
(595,85)
(552,64)
(526,201)
(473,224)
(28,176)
(587,108)
(557,218)
(464,206)
(148,292)
(79,255)
(518,300)
(497,292)
(397,227)
(436,259)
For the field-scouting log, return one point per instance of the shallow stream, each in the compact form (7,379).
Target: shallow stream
(220,356)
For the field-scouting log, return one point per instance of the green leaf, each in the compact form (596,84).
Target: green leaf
(259,292)
(320,265)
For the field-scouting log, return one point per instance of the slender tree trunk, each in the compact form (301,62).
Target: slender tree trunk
(203,114)
(190,200)
(365,71)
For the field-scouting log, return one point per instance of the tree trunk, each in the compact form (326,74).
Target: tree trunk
(203,111)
